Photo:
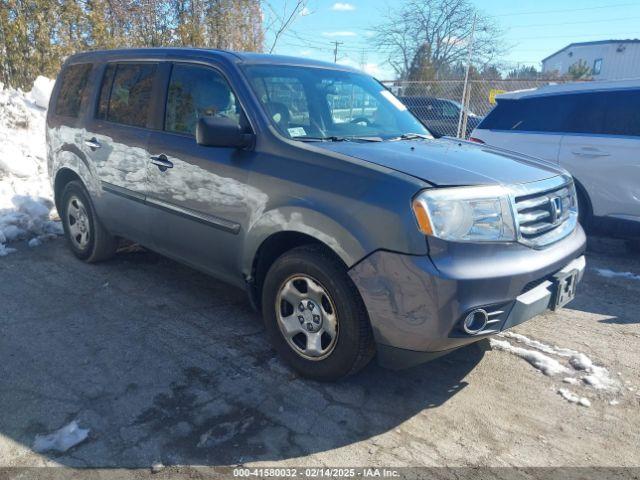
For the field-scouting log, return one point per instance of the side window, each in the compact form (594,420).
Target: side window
(285,100)
(105,91)
(622,114)
(130,96)
(506,115)
(196,92)
(587,113)
(538,114)
(449,110)
(73,83)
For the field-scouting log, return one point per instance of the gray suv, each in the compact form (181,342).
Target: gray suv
(310,186)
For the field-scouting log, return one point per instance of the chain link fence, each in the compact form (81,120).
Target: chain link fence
(438,103)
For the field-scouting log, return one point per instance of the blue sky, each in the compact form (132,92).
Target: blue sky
(533,29)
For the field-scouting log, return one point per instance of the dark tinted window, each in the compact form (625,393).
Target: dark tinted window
(196,92)
(586,113)
(73,82)
(622,113)
(611,113)
(541,114)
(130,96)
(105,91)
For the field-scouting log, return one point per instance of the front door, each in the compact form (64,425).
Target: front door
(199,195)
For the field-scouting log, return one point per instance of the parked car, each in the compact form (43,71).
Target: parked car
(440,115)
(311,186)
(591,129)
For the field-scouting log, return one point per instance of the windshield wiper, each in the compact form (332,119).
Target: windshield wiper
(411,136)
(321,139)
(333,138)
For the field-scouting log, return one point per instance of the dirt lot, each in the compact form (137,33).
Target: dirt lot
(165,364)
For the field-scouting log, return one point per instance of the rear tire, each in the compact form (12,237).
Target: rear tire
(314,315)
(87,237)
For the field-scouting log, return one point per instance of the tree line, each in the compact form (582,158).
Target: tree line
(37,35)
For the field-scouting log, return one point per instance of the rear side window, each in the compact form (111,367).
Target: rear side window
(622,113)
(541,114)
(609,113)
(105,91)
(73,83)
(125,95)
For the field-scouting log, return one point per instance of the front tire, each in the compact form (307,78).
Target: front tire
(87,237)
(314,315)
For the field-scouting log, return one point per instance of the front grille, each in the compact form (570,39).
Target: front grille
(547,215)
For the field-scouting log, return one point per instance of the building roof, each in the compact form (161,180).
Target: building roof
(573,87)
(584,44)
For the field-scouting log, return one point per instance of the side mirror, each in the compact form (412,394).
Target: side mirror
(222,132)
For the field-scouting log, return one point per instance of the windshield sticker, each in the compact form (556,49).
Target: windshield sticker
(394,101)
(297,132)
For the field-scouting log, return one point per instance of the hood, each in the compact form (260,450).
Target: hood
(447,162)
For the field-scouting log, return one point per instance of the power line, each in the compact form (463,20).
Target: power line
(575,23)
(539,12)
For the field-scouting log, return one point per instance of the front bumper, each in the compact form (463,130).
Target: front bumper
(416,303)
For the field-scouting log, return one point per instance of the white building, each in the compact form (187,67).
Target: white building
(608,59)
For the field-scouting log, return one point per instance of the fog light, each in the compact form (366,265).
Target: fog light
(475,321)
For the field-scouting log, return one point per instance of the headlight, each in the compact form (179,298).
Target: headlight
(466,214)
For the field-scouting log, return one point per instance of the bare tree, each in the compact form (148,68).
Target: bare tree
(440,27)
(278,21)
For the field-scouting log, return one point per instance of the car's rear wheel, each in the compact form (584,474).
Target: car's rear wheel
(314,315)
(87,237)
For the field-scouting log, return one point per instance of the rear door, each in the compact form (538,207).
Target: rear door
(199,195)
(116,140)
(602,150)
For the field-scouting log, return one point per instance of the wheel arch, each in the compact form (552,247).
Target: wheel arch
(582,192)
(62,178)
(281,230)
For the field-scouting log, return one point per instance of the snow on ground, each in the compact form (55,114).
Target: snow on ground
(61,440)
(26,205)
(576,368)
(547,365)
(605,272)
(573,398)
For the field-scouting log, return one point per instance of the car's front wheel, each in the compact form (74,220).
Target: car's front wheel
(315,316)
(87,237)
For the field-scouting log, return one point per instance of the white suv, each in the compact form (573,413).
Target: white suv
(591,129)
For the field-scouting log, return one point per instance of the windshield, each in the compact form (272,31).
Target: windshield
(308,103)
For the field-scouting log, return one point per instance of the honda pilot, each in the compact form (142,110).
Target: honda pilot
(354,232)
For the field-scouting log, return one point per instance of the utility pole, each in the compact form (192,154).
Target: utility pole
(462,120)
(335,50)
(363,59)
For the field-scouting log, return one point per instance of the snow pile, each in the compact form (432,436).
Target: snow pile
(26,206)
(41,91)
(579,368)
(547,365)
(605,272)
(573,398)
(61,440)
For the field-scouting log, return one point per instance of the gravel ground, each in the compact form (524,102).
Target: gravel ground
(164,364)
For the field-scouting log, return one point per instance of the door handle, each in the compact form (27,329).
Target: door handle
(590,153)
(93,144)
(162,162)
